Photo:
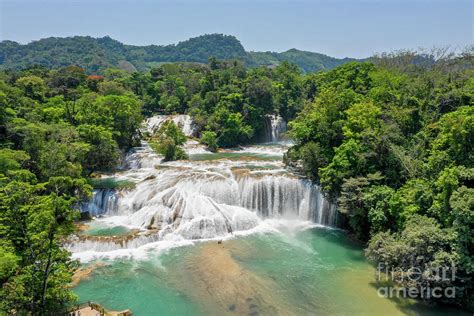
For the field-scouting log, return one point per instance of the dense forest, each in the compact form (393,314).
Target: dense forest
(97,54)
(389,141)
(60,126)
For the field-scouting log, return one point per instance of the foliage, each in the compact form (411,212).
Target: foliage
(224,97)
(55,131)
(32,86)
(307,61)
(103,153)
(416,256)
(391,143)
(34,218)
(209,139)
(169,141)
(97,54)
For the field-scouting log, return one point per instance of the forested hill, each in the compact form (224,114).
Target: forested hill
(308,61)
(97,54)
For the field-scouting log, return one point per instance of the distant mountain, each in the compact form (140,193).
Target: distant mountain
(97,54)
(308,61)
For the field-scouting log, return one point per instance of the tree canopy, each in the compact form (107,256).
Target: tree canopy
(391,143)
(95,55)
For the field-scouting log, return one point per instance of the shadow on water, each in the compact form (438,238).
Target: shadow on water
(409,306)
(357,278)
(316,271)
(339,238)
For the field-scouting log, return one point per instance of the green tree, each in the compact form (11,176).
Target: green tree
(209,139)
(119,113)
(67,80)
(103,153)
(421,247)
(32,86)
(33,223)
(230,127)
(168,141)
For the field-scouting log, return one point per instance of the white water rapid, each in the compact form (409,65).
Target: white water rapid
(184,121)
(211,195)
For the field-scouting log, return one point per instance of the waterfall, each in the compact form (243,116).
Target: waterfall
(104,201)
(142,157)
(179,204)
(199,199)
(286,197)
(210,203)
(275,125)
(152,124)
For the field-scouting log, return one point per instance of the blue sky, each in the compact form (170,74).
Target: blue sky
(338,28)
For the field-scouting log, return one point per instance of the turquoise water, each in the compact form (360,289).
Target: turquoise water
(142,287)
(233,156)
(100,229)
(260,152)
(316,271)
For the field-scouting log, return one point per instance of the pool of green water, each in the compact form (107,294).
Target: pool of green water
(100,229)
(235,155)
(312,272)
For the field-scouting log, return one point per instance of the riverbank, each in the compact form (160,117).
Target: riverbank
(94,309)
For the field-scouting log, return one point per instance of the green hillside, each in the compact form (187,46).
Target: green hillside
(97,54)
(308,61)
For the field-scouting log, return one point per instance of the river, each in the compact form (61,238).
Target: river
(232,232)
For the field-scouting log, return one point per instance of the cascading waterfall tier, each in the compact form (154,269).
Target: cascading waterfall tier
(152,124)
(275,126)
(102,199)
(173,188)
(201,199)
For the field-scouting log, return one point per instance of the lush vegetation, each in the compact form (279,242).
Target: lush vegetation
(209,139)
(307,61)
(56,129)
(223,97)
(168,141)
(391,143)
(60,127)
(97,54)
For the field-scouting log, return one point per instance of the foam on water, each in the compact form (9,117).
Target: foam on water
(178,202)
(184,121)
(90,251)
(270,149)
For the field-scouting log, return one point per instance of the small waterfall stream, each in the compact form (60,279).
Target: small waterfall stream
(211,197)
(275,126)
(153,123)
